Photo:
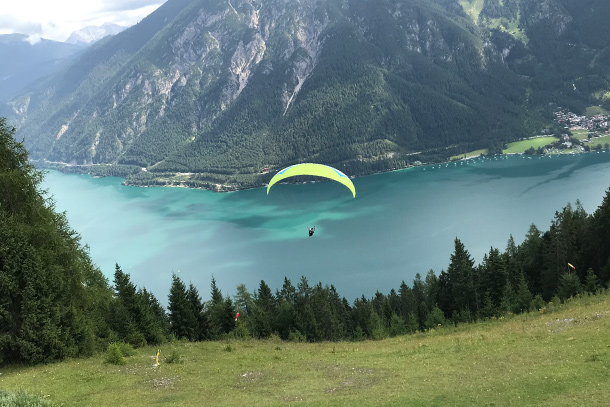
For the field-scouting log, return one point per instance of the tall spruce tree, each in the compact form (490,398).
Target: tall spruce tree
(461,279)
(181,311)
(48,285)
(198,310)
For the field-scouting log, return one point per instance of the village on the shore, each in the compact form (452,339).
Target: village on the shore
(584,131)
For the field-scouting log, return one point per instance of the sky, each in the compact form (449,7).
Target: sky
(57,19)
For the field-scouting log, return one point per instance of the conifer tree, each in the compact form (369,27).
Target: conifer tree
(435,318)
(531,255)
(198,311)
(523,296)
(508,298)
(460,275)
(493,276)
(568,286)
(48,286)
(217,311)
(591,282)
(397,326)
(181,311)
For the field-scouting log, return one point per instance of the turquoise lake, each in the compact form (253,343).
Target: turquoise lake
(400,223)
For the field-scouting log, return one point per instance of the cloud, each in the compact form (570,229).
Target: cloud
(125,5)
(57,19)
(34,39)
(9,24)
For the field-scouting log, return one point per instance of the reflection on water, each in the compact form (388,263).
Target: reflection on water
(399,224)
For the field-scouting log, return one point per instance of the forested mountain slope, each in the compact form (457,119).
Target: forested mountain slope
(209,92)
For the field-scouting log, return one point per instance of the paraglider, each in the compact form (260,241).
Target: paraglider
(318,170)
(236,316)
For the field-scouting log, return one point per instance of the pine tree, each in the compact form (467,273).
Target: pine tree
(568,286)
(48,286)
(508,299)
(531,256)
(460,275)
(182,318)
(406,301)
(216,312)
(598,247)
(591,282)
(523,297)
(493,276)
(198,311)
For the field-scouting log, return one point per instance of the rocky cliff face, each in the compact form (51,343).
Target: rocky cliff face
(225,87)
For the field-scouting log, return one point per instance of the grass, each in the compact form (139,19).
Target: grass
(580,134)
(599,140)
(521,146)
(595,110)
(472,8)
(474,153)
(554,359)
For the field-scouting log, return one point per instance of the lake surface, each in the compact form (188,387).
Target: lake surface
(400,223)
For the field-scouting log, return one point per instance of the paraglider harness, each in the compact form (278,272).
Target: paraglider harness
(311,230)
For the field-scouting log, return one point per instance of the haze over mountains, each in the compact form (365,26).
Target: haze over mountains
(209,92)
(24,61)
(90,34)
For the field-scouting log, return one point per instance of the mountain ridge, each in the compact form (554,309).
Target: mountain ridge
(92,33)
(223,89)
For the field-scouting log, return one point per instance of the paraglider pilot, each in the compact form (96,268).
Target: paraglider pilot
(311,230)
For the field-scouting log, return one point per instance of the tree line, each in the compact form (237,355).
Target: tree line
(54,303)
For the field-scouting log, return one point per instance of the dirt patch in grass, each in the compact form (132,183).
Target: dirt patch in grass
(250,377)
(345,378)
(161,382)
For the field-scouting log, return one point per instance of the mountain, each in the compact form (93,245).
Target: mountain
(94,33)
(24,62)
(209,92)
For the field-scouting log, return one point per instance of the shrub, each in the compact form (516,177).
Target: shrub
(241,331)
(126,349)
(137,339)
(296,336)
(114,355)
(21,399)
(174,357)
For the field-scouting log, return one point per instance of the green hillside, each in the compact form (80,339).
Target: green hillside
(559,358)
(206,93)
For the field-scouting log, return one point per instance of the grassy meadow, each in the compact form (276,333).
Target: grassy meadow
(474,153)
(559,358)
(522,145)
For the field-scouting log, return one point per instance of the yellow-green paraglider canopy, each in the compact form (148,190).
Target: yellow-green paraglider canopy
(318,170)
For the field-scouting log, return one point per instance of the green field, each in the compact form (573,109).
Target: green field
(474,153)
(521,146)
(594,110)
(580,134)
(560,358)
(599,140)
(472,8)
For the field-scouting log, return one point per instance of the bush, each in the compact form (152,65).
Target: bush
(114,355)
(21,399)
(296,336)
(126,349)
(537,303)
(137,339)
(241,331)
(174,357)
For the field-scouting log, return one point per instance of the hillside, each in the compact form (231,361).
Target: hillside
(214,91)
(24,62)
(559,358)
